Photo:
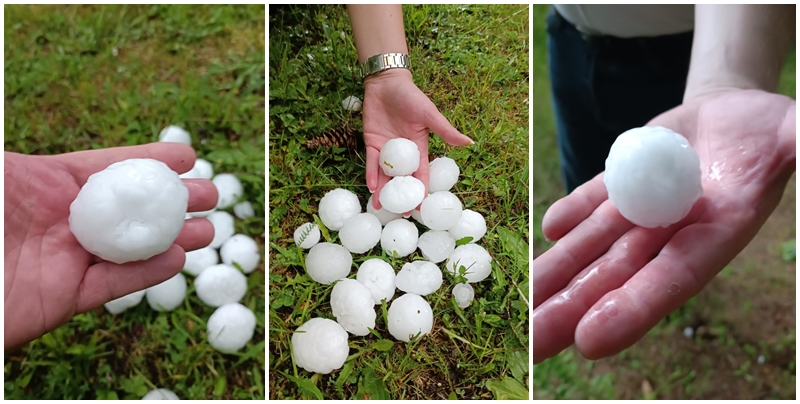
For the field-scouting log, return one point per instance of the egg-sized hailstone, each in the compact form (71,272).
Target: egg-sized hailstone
(471,224)
(320,346)
(474,258)
(167,295)
(243,251)
(443,174)
(419,277)
(229,189)
(382,214)
(223,228)
(353,306)
(653,176)
(399,157)
(409,315)
(402,194)
(352,103)
(311,232)
(378,277)
(436,245)
(220,284)
(327,262)
(230,327)
(175,134)
(244,210)
(464,294)
(123,303)
(160,394)
(337,206)
(360,233)
(399,238)
(441,210)
(198,260)
(131,211)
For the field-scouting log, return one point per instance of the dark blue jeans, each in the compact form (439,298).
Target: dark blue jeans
(603,86)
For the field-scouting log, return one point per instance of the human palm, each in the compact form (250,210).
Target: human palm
(607,282)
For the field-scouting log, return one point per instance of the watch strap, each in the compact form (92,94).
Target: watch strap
(384,61)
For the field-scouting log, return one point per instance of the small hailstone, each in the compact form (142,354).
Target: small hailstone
(353,306)
(402,194)
(160,394)
(653,176)
(123,303)
(360,233)
(167,295)
(320,346)
(471,224)
(383,215)
(688,332)
(377,276)
(199,260)
(130,211)
(175,134)
(220,284)
(441,210)
(464,294)
(399,238)
(443,174)
(408,316)
(229,189)
(473,257)
(761,359)
(337,206)
(352,103)
(436,245)
(311,232)
(399,157)
(204,168)
(243,251)
(223,227)
(419,277)
(327,262)
(243,210)
(230,327)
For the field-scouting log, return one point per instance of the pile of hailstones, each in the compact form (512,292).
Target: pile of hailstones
(320,345)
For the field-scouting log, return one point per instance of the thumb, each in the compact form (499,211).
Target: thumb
(438,124)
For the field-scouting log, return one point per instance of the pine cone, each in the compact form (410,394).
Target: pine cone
(340,137)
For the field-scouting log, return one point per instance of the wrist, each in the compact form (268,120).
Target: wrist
(386,76)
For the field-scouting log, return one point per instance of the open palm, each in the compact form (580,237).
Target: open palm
(607,282)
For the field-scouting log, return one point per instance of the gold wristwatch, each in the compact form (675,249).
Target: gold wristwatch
(385,61)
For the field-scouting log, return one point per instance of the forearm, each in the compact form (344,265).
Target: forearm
(739,46)
(377,28)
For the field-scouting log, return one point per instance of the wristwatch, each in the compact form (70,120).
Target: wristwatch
(385,61)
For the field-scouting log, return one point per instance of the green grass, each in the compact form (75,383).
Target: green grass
(86,77)
(472,62)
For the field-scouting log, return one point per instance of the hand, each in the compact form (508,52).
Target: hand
(49,277)
(395,107)
(607,282)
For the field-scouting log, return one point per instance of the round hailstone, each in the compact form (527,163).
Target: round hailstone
(440,210)
(399,238)
(353,306)
(229,189)
(244,210)
(383,215)
(360,233)
(199,260)
(409,315)
(175,134)
(399,157)
(377,276)
(443,174)
(417,216)
(307,235)
(220,284)
(653,176)
(419,277)
(167,295)
(471,224)
(160,394)
(131,211)
(327,262)
(337,206)
(223,228)
(204,168)
(123,303)
(436,245)
(193,173)
(352,103)
(320,346)
(464,294)
(230,327)
(473,257)
(402,194)
(243,251)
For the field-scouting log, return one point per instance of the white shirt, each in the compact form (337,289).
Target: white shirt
(629,20)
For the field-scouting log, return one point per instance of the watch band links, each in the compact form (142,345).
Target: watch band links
(385,61)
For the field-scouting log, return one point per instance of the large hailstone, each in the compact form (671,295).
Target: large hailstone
(402,194)
(474,258)
(327,262)
(220,284)
(131,211)
(320,346)
(443,174)
(175,134)
(353,306)
(382,214)
(223,228)
(337,206)
(244,210)
(471,224)
(464,294)
(123,303)
(360,233)
(440,210)
(167,295)
(229,190)
(399,238)
(436,245)
(230,327)
(307,235)
(243,251)
(653,176)
(399,157)
(378,277)
(160,394)
(409,315)
(419,277)
(204,168)
(198,260)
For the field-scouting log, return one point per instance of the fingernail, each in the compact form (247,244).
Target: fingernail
(471,141)
(372,191)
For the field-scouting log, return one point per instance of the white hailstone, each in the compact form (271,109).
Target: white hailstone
(471,224)
(360,233)
(474,258)
(399,238)
(199,260)
(383,215)
(123,303)
(440,210)
(464,294)
(409,315)
(160,394)
(130,211)
(223,228)
(399,157)
(352,103)
(203,213)
(761,359)
(436,245)
(243,251)
(688,332)
(377,276)
(653,176)
(353,306)
(419,277)
(220,284)
(175,134)
(443,174)
(307,235)
(417,216)
(337,206)
(204,168)
(320,346)
(244,210)
(230,327)
(193,173)
(402,194)
(167,295)
(327,262)
(229,189)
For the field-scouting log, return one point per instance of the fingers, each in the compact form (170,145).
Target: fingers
(179,157)
(567,212)
(437,123)
(202,195)
(423,172)
(382,180)
(373,164)
(196,233)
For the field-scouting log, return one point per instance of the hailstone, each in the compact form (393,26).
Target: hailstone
(327,262)
(399,238)
(193,173)
(307,235)
(243,251)
(474,258)
(436,245)
(471,224)
(402,194)
(360,233)
(419,277)
(203,213)
(653,176)
(204,168)
(175,134)
(198,260)
(167,295)
(417,216)
(160,394)
(352,103)
(377,276)
(399,157)
(229,190)
(123,303)
(409,315)
(243,210)
(220,284)
(353,306)
(130,211)
(337,206)
(383,215)
(223,228)
(230,327)
(464,294)
(440,210)
(443,174)
(320,345)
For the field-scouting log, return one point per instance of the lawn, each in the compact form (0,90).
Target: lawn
(90,77)
(472,61)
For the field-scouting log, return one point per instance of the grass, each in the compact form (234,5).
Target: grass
(87,77)
(472,62)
